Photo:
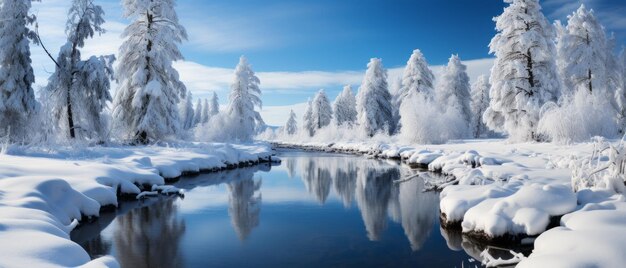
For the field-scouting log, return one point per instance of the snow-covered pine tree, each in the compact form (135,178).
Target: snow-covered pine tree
(620,94)
(17,98)
(453,91)
(417,78)
(245,95)
(375,113)
(291,127)
(197,119)
(186,112)
(344,107)
(149,90)
(524,76)
(322,111)
(79,90)
(479,104)
(205,112)
(215,105)
(583,53)
(307,119)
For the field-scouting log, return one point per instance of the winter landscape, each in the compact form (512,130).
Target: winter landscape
(164,133)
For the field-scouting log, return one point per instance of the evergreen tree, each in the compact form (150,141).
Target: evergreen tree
(375,113)
(454,89)
(17,98)
(145,104)
(291,127)
(244,96)
(344,107)
(307,119)
(524,75)
(205,112)
(479,104)
(197,119)
(417,78)
(322,111)
(187,112)
(215,105)
(79,90)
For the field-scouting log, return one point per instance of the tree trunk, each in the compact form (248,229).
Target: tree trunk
(70,116)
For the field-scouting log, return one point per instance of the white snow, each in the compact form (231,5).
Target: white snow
(44,193)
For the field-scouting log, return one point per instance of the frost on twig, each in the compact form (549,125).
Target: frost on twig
(605,169)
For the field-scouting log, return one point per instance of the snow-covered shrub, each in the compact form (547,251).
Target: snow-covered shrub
(595,172)
(578,120)
(424,122)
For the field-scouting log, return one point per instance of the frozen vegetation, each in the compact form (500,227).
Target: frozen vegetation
(545,164)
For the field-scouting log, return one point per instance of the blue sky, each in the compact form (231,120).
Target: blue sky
(298,47)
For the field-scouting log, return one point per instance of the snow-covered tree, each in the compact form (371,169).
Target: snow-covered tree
(17,98)
(322,111)
(187,113)
(583,53)
(307,119)
(524,75)
(375,113)
(453,91)
(197,119)
(620,94)
(79,90)
(215,105)
(245,95)
(145,104)
(291,127)
(417,77)
(344,107)
(479,104)
(205,112)
(590,76)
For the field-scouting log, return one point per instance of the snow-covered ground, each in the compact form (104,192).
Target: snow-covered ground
(45,193)
(508,190)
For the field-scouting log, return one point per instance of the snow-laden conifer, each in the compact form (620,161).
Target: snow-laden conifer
(322,111)
(291,127)
(344,107)
(197,119)
(479,104)
(375,113)
(245,96)
(187,113)
(524,76)
(78,90)
(17,98)
(215,105)
(145,104)
(205,112)
(307,119)
(453,91)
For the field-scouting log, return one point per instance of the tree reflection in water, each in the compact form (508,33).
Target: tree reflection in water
(244,202)
(150,236)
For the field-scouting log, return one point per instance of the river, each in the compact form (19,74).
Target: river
(312,210)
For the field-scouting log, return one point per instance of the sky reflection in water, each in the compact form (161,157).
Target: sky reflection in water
(314,210)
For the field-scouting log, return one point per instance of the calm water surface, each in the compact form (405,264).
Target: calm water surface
(314,210)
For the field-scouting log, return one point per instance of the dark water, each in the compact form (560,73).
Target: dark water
(314,210)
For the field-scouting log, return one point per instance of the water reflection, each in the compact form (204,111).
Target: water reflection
(371,184)
(244,204)
(318,210)
(150,236)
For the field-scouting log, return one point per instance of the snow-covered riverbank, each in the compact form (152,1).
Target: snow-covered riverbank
(500,190)
(45,193)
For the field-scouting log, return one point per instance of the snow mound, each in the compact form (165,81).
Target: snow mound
(527,212)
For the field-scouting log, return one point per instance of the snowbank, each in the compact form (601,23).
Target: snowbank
(44,194)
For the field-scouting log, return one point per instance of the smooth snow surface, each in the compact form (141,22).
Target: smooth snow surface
(43,194)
